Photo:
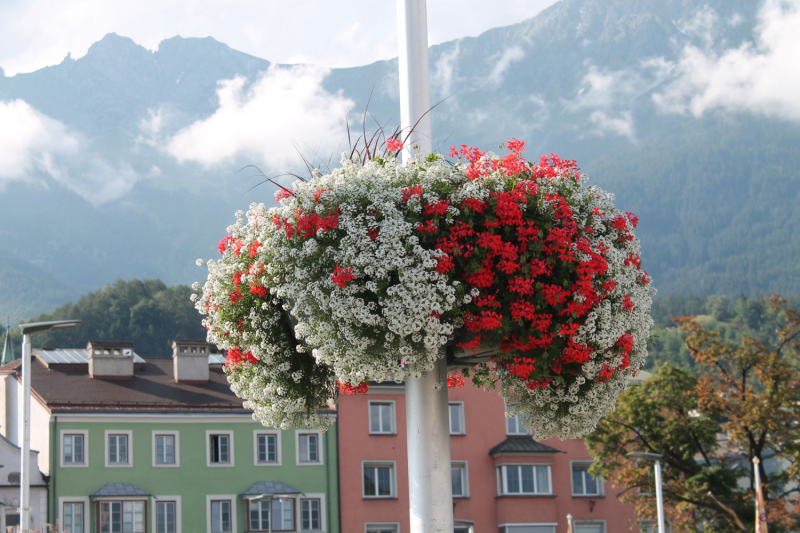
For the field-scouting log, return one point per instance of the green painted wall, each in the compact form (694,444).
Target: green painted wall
(193,479)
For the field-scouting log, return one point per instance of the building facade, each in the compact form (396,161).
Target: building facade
(10,455)
(503,480)
(131,449)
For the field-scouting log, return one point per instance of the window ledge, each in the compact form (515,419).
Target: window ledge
(588,495)
(527,496)
(379,497)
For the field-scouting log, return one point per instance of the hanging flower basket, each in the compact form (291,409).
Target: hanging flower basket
(518,273)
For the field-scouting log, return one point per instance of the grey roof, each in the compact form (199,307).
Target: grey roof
(74,357)
(269,488)
(111,344)
(522,445)
(216,359)
(120,489)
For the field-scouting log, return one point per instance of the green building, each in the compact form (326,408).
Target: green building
(136,445)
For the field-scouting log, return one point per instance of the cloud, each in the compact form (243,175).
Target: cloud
(756,78)
(700,25)
(605,89)
(510,55)
(261,121)
(444,70)
(621,125)
(31,141)
(33,144)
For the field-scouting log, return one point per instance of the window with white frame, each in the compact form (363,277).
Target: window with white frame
(221,516)
(583,483)
(74,449)
(259,515)
(528,528)
(121,516)
(118,452)
(381,418)
(72,521)
(165,449)
(457,418)
(514,426)
(283,514)
(220,451)
(525,479)
(378,480)
(462,527)
(166,514)
(267,448)
(310,518)
(590,527)
(308,448)
(382,528)
(458,473)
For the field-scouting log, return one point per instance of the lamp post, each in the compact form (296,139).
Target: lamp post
(25,414)
(656,458)
(430,488)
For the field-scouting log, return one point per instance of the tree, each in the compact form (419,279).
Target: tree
(745,404)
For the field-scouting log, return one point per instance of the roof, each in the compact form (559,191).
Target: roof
(111,344)
(522,445)
(269,488)
(153,387)
(119,489)
(75,357)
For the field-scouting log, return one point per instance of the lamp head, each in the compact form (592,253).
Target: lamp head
(41,327)
(646,456)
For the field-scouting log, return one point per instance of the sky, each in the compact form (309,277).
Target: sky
(328,33)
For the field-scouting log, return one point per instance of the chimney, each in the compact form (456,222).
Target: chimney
(190,360)
(110,359)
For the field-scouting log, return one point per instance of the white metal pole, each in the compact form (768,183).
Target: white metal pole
(25,437)
(659,499)
(415,93)
(430,489)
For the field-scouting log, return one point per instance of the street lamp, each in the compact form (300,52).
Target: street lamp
(655,457)
(25,413)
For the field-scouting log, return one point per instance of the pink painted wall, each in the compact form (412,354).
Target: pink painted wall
(485,427)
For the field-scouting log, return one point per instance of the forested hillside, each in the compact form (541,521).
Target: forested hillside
(149,313)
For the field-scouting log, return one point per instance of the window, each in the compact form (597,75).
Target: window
(310,517)
(166,446)
(220,516)
(308,448)
(583,484)
(382,528)
(651,526)
(73,518)
(525,479)
(379,480)
(220,448)
(165,517)
(590,527)
(381,418)
(118,448)
(462,527)
(121,517)
(267,448)
(259,515)
(282,515)
(14,478)
(74,449)
(514,426)
(457,418)
(529,528)
(458,472)
(12,521)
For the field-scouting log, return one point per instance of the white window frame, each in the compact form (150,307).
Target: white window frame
(502,478)
(545,524)
(295,505)
(381,525)
(229,433)
(277,434)
(221,497)
(85,434)
(175,451)
(176,499)
(393,424)
(601,523)
(121,499)
(113,432)
(464,465)
(600,487)
(464,523)
(522,431)
(320,449)
(393,484)
(87,510)
(323,518)
(463,418)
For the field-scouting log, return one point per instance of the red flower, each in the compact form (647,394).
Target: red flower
(394,145)
(410,192)
(342,275)
(373,233)
(455,380)
(237,279)
(258,290)
(253,249)
(627,303)
(224,243)
(235,296)
(439,208)
(346,388)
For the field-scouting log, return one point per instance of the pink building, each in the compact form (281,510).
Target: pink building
(503,480)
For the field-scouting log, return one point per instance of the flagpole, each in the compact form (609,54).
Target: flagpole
(761,511)
(430,490)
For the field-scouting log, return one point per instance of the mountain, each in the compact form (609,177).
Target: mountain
(138,168)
